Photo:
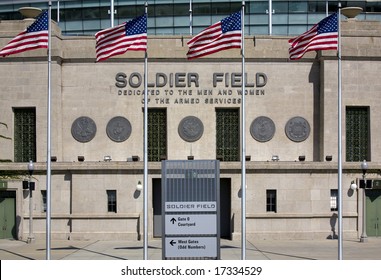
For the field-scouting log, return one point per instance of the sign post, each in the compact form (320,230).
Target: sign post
(191,201)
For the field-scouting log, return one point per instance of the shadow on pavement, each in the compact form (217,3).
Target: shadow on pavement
(16,254)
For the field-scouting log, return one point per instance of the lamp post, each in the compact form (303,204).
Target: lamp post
(364,237)
(30,187)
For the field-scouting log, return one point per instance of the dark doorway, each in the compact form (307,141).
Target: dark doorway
(156,204)
(225,208)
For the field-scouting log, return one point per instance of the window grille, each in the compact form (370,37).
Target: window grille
(271,201)
(333,200)
(157,134)
(227,134)
(357,134)
(111,201)
(43,195)
(25,134)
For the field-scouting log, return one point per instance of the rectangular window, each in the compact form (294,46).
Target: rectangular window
(157,134)
(271,201)
(71,14)
(126,12)
(357,134)
(111,201)
(316,6)
(43,195)
(164,10)
(333,201)
(201,9)
(227,134)
(298,6)
(181,10)
(25,134)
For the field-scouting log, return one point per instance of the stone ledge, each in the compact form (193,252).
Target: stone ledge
(101,216)
(297,215)
(281,166)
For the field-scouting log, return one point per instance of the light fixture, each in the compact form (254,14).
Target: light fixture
(353,186)
(139,186)
(247,158)
(328,158)
(135,158)
(302,158)
(275,158)
(364,167)
(30,168)
(107,158)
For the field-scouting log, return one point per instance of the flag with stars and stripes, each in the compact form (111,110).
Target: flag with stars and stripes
(131,35)
(223,35)
(322,36)
(34,37)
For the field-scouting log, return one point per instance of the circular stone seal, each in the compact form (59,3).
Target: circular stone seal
(297,129)
(83,129)
(191,129)
(262,129)
(118,129)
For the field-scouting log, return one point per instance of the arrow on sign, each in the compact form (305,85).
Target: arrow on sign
(173,220)
(172,242)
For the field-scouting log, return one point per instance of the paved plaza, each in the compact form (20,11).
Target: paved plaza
(230,250)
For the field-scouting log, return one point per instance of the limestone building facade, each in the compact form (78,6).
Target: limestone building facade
(194,113)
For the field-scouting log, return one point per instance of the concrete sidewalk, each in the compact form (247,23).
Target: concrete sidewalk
(230,250)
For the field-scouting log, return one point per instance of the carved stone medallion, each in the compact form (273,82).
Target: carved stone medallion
(262,129)
(118,129)
(297,129)
(83,129)
(191,129)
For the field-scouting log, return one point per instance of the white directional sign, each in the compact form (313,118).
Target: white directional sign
(202,247)
(191,224)
(194,206)
(190,209)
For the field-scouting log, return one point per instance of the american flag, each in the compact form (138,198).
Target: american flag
(34,37)
(131,35)
(322,36)
(223,35)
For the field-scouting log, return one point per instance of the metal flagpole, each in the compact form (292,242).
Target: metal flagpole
(145,180)
(270,17)
(340,171)
(112,12)
(58,11)
(243,144)
(190,18)
(48,169)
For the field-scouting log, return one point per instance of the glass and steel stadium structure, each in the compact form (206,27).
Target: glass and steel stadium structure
(177,17)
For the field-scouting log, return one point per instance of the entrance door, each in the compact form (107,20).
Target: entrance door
(8,214)
(156,203)
(225,208)
(373,212)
